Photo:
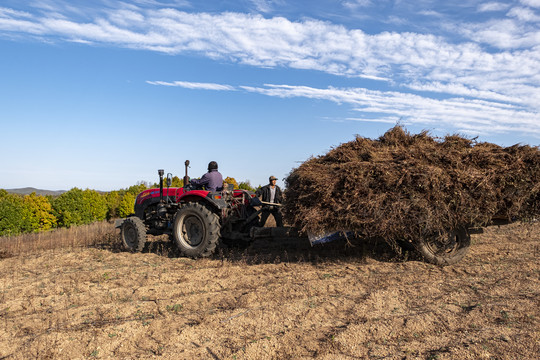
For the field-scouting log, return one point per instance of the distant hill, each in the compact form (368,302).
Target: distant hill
(29,190)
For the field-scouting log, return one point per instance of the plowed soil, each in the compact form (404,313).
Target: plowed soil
(278,299)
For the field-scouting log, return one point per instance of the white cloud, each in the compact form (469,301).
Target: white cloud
(458,114)
(194,85)
(126,17)
(5,12)
(20,24)
(173,3)
(430,13)
(460,89)
(254,40)
(264,6)
(531,3)
(387,120)
(493,6)
(524,14)
(50,6)
(508,72)
(506,34)
(464,115)
(355,4)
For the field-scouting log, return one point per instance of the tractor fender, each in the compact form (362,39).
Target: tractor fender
(151,197)
(140,208)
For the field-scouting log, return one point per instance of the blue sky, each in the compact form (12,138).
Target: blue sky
(101,94)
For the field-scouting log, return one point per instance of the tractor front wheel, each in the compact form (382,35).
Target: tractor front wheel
(133,233)
(447,248)
(196,230)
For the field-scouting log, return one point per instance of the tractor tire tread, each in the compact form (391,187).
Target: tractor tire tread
(212,233)
(137,245)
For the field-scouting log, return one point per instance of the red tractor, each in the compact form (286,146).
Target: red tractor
(195,219)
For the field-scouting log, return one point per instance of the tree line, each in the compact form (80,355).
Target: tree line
(21,214)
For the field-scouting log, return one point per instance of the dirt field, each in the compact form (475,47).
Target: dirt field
(276,300)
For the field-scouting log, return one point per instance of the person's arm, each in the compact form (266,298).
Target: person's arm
(202,181)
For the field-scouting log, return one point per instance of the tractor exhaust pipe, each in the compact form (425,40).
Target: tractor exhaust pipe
(161,172)
(186,177)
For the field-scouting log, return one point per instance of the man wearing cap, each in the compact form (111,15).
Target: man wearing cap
(270,193)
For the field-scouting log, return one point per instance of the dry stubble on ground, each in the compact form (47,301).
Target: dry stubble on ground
(275,300)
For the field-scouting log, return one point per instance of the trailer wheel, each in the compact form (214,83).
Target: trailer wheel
(133,233)
(196,230)
(445,249)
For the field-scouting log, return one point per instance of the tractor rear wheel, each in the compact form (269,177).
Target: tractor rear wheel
(445,249)
(196,230)
(133,233)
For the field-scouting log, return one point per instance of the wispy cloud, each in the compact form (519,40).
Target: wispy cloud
(5,12)
(495,72)
(169,3)
(310,44)
(524,14)
(531,3)
(454,113)
(264,6)
(194,85)
(462,115)
(493,6)
(356,4)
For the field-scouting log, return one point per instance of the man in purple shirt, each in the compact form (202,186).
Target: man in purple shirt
(212,180)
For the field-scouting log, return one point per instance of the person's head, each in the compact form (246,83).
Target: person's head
(212,165)
(272,180)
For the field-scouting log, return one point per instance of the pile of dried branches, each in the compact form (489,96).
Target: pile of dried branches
(404,186)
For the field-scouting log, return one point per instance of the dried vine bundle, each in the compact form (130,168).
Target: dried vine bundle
(405,186)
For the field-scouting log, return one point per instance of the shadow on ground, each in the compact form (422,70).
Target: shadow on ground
(285,250)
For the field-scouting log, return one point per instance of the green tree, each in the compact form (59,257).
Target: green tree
(126,206)
(14,215)
(78,207)
(40,211)
(68,208)
(136,189)
(120,202)
(113,199)
(177,182)
(95,205)
(246,185)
